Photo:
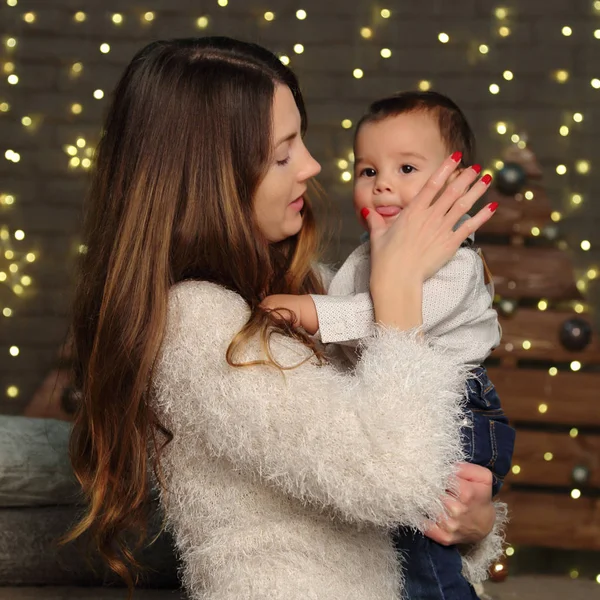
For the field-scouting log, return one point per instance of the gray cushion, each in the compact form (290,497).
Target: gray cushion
(34,462)
(39,503)
(30,555)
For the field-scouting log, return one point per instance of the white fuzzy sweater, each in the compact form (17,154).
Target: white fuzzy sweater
(285,486)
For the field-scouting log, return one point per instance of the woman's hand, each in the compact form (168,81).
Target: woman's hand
(471,512)
(421,240)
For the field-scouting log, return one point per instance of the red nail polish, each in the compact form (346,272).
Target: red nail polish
(493,206)
(487,179)
(364,213)
(476,168)
(456,157)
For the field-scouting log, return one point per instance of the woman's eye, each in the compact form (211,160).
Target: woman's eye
(407,169)
(368,172)
(283,162)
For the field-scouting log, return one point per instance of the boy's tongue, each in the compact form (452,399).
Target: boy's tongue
(388,211)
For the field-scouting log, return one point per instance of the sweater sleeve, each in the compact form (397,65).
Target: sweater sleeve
(377,444)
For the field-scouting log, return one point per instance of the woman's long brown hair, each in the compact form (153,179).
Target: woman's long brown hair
(185,144)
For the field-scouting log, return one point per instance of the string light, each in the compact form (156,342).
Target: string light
(574,432)
(542,304)
(98,94)
(358,73)
(284,59)
(548,456)
(575,366)
(80,16)
(577,117)
(595,83)
(553,371)
(202,22)
(494,88)
(12,391)
(508,75)
(561,169)
(582,166)
(444,38)
(424,85)
(516,469)
(484,49)
(76,109)
(12,79)
(298,48)
(510,551)
(564,131)
(301,15)
(543,408)
(385,13)
(555,216)
(117,19)
(366,32)
(576,199)
(567,31)
(11,2)
(105,48)
(269,16)
(346,176)
(585,245)
(346,123)
(561,76)
(575,494)
(222,3)
(342,164)
(29,17)
(386,52)
(149,17)
(504,31)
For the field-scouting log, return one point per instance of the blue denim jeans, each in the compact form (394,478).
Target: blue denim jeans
(433,571)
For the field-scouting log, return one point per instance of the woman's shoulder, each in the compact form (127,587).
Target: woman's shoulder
(207,306)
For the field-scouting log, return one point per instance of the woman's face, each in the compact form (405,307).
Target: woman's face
(279,198)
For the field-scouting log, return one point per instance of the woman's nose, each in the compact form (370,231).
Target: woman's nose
(311,168)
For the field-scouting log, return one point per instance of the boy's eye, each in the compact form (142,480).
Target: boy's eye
(407,169)
(368,172)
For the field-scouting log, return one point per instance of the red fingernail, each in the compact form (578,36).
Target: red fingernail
(364,213)
(493,206)
(487,179)
(456,157)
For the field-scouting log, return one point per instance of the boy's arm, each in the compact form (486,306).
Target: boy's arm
(300,311)
(344,319)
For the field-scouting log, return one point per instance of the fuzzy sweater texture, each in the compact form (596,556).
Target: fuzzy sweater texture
(286,485)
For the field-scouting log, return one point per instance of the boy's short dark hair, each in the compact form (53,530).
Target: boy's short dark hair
(454,127)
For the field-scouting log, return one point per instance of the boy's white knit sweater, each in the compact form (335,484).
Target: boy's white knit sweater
(285,485)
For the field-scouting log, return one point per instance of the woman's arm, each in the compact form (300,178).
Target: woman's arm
(379,444)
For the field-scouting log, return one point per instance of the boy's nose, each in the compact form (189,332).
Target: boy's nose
(382,186)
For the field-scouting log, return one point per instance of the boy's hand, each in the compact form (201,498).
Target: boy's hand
(299,311)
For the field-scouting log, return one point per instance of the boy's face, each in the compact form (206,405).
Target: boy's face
(393,160)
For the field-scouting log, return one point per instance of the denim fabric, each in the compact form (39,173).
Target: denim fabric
(489,440)
(433,571)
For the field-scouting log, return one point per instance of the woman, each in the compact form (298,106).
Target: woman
(281,473)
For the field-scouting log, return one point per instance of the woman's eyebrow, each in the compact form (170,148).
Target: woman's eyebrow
(287,138)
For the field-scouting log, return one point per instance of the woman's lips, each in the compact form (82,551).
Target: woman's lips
(388,211)
(297,204)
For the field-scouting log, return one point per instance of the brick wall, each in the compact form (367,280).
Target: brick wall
(48,193)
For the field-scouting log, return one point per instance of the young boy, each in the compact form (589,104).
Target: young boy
(398,145)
